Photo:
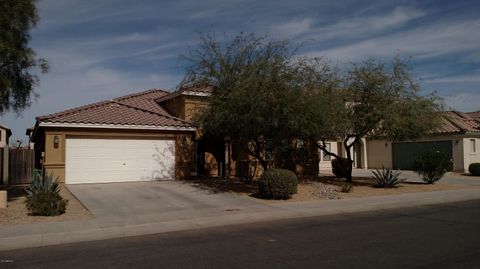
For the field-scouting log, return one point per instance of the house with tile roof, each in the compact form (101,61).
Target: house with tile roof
(458,136)
(144,136)
(129,138)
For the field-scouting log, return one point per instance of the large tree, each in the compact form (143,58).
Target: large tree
(370,99)
(255,89)
(18,62)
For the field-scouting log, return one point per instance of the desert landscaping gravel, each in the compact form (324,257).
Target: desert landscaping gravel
(16,212)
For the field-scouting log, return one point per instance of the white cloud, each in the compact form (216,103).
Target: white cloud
(348,28)
(292,28)
(465,102)
(469,78)
(121,39)
(368,25)
(425,42)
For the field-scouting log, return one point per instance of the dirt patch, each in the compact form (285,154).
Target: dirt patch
(220,185)
(16,212)
(464,175)
(406,187)
(322,188)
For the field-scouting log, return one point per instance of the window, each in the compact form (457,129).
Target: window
(328,147)
(472,146)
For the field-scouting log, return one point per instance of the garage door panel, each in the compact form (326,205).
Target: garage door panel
(405,153)
(95,160)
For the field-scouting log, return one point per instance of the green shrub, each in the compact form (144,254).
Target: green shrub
(277,184)
(340,167)
(346,187)
(432,165)
(474,169)
(43,198)
(387,178)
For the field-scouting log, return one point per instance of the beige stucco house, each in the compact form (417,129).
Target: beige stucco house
(458,136)
(143,136)
(5,134)
(130,138)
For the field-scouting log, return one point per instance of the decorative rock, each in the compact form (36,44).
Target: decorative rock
(3,199)
(325,191)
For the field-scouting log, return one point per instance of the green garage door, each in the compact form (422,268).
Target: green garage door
(405,153)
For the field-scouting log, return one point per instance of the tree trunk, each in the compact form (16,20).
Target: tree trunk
(350,161)
(263,163)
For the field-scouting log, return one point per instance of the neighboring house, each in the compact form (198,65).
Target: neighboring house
(458,136)
(5,134)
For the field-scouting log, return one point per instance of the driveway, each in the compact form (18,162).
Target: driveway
(147,202)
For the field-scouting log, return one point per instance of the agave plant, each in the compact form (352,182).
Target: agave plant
(43,196)
(387,178)
(41,184)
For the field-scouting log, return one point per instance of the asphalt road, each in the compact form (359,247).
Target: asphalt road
(442,236)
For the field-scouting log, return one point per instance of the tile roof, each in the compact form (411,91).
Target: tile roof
(198,89)
(145,100)
(459,122)
(134,109)
(474,115)
(188,90)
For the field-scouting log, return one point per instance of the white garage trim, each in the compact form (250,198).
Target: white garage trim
(102,160)
(116,126)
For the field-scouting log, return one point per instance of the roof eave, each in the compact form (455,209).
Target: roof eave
(116,126)
(184,93)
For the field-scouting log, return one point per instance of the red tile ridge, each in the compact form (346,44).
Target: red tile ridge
(149,111)
(137,94)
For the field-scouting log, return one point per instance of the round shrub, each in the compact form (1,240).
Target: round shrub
(278,184)
(340,167)
(46,204)
(432,165)
(474,169)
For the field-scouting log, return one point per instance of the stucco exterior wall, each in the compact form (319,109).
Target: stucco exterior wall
(193,106)
(379,154)
(54,158)
(185,107)
(175,106)
(470,156)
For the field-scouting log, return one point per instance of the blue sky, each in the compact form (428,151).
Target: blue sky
(103,49)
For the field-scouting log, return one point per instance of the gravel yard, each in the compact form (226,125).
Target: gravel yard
(328,188)
(322,188)
(16,212)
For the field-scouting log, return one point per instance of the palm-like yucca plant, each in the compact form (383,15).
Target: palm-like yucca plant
(43,197)
(387,178)
(42,184)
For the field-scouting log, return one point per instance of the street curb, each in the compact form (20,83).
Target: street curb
(287,210)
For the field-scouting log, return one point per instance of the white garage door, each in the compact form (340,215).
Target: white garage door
(98,160)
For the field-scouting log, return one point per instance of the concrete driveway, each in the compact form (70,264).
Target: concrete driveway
(146,202)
